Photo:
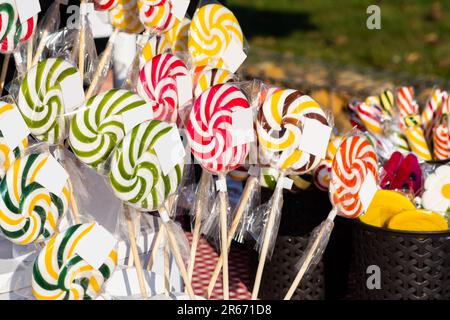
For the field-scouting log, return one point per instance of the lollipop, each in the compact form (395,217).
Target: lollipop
(416,138)
(430,111)
(125,16)
(156,14)
(59,273)
(28,212)
(157,82)
(156,45)
(322,175)
(212,30)
(136,175)
(178,36)
(40,99)
(8,156)
(209,128)
(370,115)
(441,141)
(103,5)
(96,131)
(355,161)
(19,33)
(211,77)
(387,102)
(8,17)
(406,103)
(279,128)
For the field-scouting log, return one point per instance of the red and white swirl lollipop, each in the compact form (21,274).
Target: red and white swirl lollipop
(156,15)
(355,161)
(104,5)
(158,83)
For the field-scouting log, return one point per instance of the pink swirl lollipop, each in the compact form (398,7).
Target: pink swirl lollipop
(209,128)
(104,5)
(158,83)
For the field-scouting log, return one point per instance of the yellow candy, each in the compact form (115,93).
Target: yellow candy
(384,206)
(418,220)
(178,36)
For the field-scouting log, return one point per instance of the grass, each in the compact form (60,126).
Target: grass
(414,38)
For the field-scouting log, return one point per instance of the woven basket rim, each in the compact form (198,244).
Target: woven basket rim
(430,234)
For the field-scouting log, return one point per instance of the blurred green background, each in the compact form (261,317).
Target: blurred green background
(414,35)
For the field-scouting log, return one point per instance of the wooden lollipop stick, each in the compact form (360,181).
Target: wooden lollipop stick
(29,54)
(267,236)
(311,254)
(249,186)
(45,33)
(199,207)
(156,244)
(105,59)
(73,204)
(135,252)
(176,252)
(4,71)
(167,269)
(223,207)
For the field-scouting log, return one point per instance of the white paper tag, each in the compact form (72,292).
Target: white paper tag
(170,150)
(242,126)
(233,56)
(86,8)
(164,216)
(184,89)
(179,8)
(221,185)
(287,183)
(254,171)
(368,191)
(101,28)
(52,176)
(95,246)
(27,9)
(13,128)
(136,116)
(72,91)
(269,172)
(315,138)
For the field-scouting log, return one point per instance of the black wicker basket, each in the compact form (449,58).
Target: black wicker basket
(412,265)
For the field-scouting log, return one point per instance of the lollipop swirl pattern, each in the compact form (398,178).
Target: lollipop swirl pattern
(125,16)
(156,14)
(211,77)
(103,5)
(8,156)
(95,132)
(355,159)
(61,274)
(19,33)
(156,45)
(136,175)
(158,83)
(41,101)
(178,36)
(28,212)
(209,128)
(279,128)
(212,30)
(8,17)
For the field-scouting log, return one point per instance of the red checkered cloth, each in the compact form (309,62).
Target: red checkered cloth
(205,262)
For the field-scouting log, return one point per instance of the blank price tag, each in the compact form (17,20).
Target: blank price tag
(233,56)
(27,9)
(95,247)
(136,116)
(368,191)
(242,126)
(86,8)
(184,89)
(170,150)
(13,128)
(221,185)
(72,91)
(179,8)
(287,183)
(315,138)
(52,176)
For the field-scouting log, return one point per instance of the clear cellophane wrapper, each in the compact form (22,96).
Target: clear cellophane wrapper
(132,78)
(203,200)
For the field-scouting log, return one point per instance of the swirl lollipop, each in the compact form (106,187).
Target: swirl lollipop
(8,17)
(156,15)
(41,101)
(137,178)
(354,163)
(29,213)
(59,273)
(178,36)
(156,45)
(210,138)
(124,16)
(98,129)
(212,30)
(104,5)
(8,156)
(157,82)
(211,77)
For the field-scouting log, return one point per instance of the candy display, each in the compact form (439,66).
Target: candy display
(156,14)
(29,212)
(209,128)
(8,156)
(143,185)
(98,128)
(40,99)
(211,77)
(158,83)
(212,29)
(59,273)
(436,196)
